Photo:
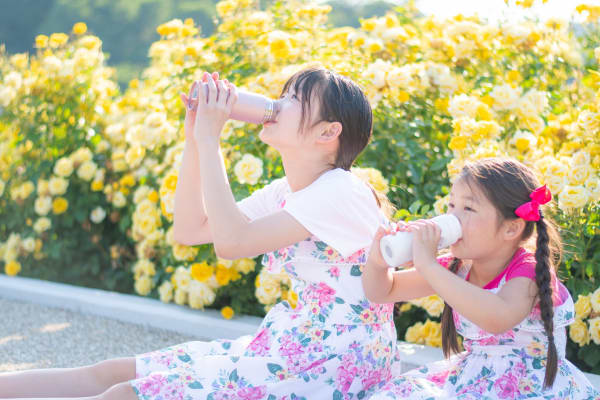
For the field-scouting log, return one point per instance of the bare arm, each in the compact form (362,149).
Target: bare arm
(510,305)
(232,234)
(190,222)
(384,285)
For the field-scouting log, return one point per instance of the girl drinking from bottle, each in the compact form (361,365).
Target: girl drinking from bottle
(317,223)
(505,301)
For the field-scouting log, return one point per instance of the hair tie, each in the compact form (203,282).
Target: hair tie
(530,211)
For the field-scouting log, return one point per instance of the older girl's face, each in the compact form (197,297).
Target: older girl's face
(285,133)
(479,221)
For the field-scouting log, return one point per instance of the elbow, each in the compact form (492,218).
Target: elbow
(189,235)
(496,326)
(228,250)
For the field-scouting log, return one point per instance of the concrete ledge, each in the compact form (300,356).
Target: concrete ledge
(208,324)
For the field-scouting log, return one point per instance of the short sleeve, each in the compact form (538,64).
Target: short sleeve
(264,201)
(339,209)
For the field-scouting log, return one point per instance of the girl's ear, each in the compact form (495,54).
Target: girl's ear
(513,229)
(330,132)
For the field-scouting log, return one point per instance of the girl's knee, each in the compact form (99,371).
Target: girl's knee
(111,372)
(120,391)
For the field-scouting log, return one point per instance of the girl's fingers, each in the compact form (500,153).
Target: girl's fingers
(212,90)
(221,93)
(233,93)
(215,76)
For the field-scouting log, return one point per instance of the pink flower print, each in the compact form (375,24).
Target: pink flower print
(260,344)
(345,376)
(507,386)
(439,378)
(326,294)
(252,393)
(357,257)
(330,253)
(520,369)
(488,341)
(334,272)
(290,348)
(371,377)
(152,385)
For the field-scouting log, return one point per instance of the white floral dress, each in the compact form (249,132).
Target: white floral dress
(510,365)
(334,345)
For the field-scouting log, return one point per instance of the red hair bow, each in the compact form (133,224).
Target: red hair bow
(530,211)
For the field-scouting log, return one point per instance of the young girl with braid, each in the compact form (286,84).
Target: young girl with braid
(505,301)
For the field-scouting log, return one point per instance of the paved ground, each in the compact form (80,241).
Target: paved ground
(33,336)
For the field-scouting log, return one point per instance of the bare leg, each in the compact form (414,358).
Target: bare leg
(121,391)
(92,380)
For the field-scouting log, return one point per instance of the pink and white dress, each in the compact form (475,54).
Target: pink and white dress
(510,365)
(334,345)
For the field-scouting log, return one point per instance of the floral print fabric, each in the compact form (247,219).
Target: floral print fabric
(510,365)
(334,344)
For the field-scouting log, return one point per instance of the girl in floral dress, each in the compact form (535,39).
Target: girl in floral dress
(505,301)
(317,224)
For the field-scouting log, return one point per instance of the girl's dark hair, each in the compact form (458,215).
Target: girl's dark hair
(340,100)
(507,184)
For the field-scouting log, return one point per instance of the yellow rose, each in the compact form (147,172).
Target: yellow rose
(87,170)
(143,285)
(63,167)
(505,97)
(42,225)
(79,28)
(458,143)
(244,265)
(12,268)
(119,200)
(414,334)
(58,186)
(28,245)
(58,39)
(227,312)
(578,332)
(583,306)
(184,253)
(594,328)
(135,155)
(43,205)
(59,205)
(165,292)
(41,41)
(43,187)
(97,186)
(200,295)
(595,300)
(249,169)
(180,296)
(201,271)
(523,141)
(572,197)
(222,275)
(373,177)
(91,42)
(579,174)
(19,60)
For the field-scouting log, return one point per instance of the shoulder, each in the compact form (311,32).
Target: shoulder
(522,265)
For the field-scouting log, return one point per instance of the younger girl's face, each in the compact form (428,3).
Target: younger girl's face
(285,133)
(479,221)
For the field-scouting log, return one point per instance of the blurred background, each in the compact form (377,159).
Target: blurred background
(128,27)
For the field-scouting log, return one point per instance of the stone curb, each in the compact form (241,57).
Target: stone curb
(207,324)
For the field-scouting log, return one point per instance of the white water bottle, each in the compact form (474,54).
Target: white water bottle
(250,107)
(397,248)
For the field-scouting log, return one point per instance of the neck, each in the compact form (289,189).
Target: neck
(484,270)
(302,171)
